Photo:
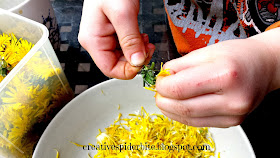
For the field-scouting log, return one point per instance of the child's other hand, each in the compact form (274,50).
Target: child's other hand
(109,32)
(218,85)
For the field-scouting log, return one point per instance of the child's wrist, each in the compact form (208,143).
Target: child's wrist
(271,40)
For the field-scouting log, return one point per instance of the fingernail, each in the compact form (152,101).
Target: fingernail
(137,59)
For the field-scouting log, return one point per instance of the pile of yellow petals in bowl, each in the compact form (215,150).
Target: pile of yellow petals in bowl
(153,135)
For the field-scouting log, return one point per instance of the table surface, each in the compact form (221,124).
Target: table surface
(82,73)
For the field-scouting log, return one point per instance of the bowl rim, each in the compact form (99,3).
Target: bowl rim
(19,5)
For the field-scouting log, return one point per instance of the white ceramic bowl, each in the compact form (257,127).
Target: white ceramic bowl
(97,108)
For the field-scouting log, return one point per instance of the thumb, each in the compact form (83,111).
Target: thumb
(123,16)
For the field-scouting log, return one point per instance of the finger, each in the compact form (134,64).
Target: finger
(94,22)
(197,57)
(108,59)
(118,67)
(201,106)
(211,121)
(123,16)
(97,36)
(145,38)
(194,58)
(96,32)
(194,81)
(150,49)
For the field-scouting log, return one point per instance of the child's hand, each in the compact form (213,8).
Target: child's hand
(217,85)
(109,32)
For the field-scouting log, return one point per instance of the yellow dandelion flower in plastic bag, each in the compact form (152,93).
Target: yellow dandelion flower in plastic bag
(41,67)
(12,51)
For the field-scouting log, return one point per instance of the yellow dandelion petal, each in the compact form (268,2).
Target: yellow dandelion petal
(79,145)
(89,155)
(4,39)
(152,88)
(1,78)
(57,153)
(163,72)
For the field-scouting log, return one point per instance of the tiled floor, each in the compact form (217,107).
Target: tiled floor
(79,68)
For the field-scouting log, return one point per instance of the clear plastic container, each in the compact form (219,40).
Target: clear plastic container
(37,10)
(33,92)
